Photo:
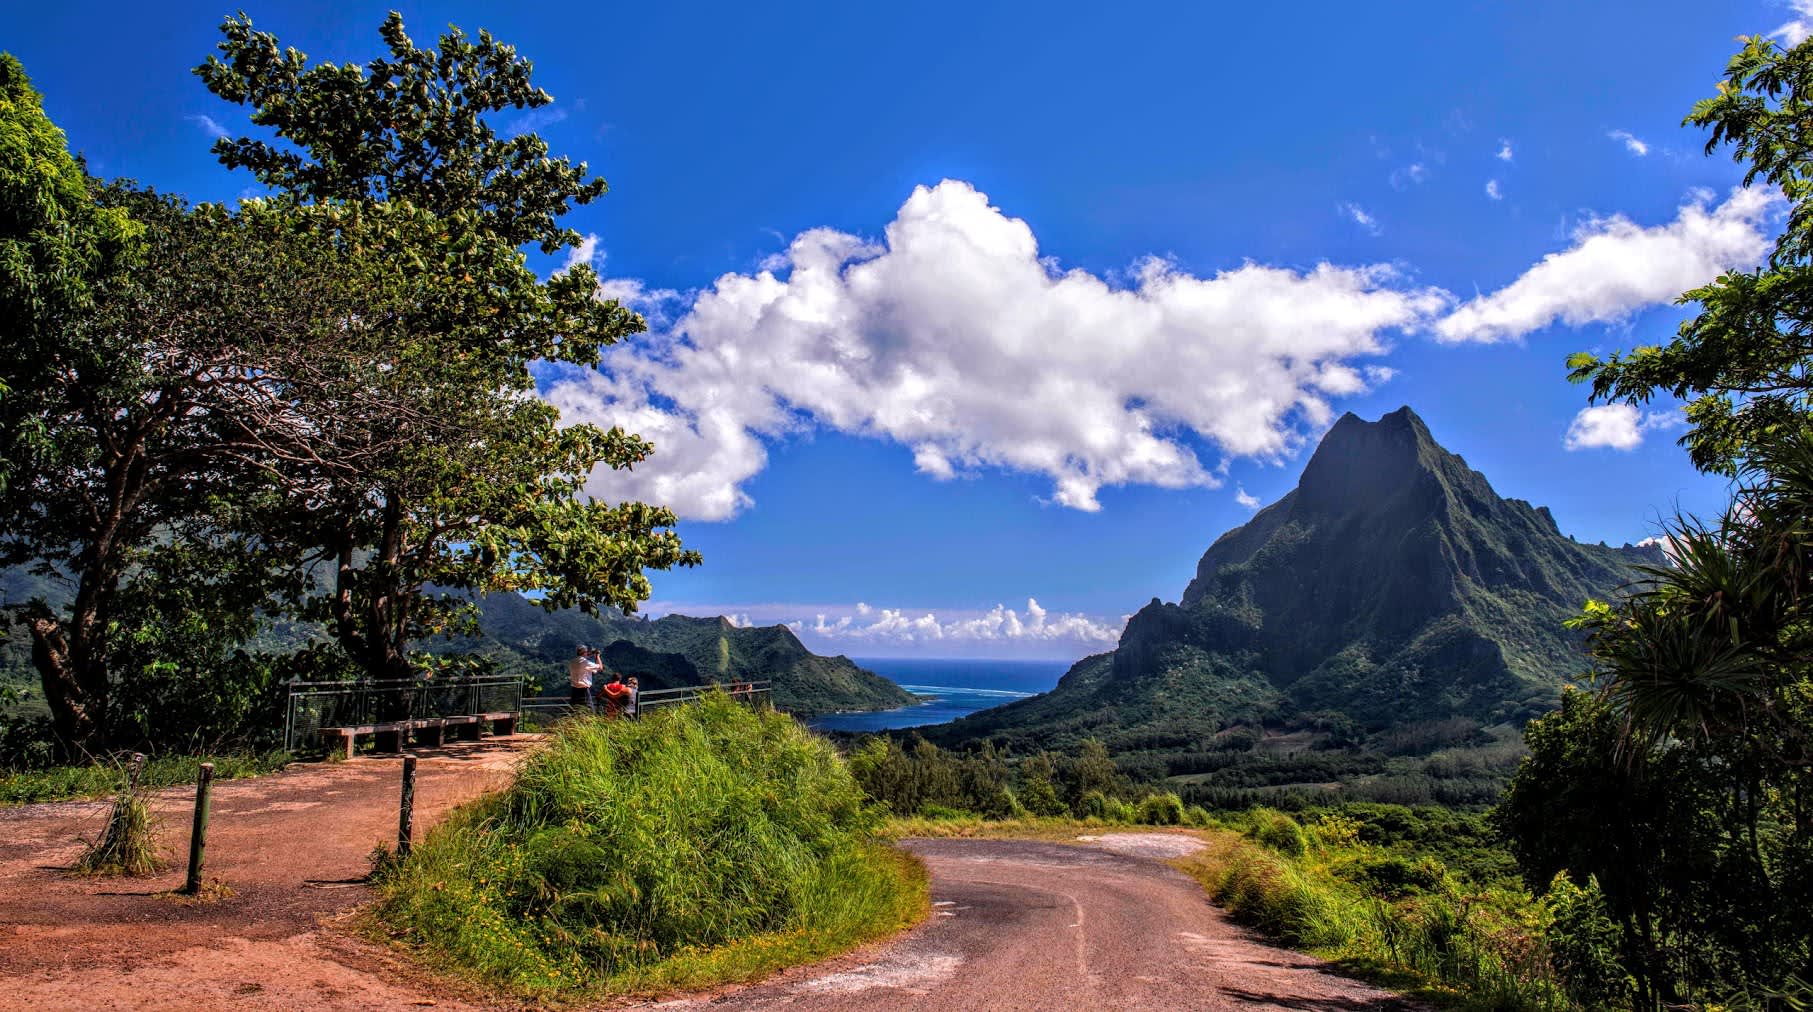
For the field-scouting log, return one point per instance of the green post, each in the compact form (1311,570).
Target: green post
(198,835)
(406,812)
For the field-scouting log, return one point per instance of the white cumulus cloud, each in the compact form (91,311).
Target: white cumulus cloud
(1248,501)
(1504,147)
(1616,267)
(954,337)
(1795,31)
(1000,624)
(1000,631)
(1631,143)
(1493,190)
(1616,426)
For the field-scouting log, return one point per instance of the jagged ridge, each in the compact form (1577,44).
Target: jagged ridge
(1392,587)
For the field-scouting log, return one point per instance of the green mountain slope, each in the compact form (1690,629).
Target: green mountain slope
(523,638)
(679,650)
(1391,602)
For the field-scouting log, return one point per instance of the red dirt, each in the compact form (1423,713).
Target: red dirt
(292,847)
(1017,924)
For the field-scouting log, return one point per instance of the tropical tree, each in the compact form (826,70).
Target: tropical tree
(1684,787)
(123,412)
(55,242)
(1741,363)
(429,461)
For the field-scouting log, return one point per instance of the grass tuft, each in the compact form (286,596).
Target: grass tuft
(128,844)
(698,845)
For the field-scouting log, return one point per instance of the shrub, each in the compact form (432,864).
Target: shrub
(1093,805)
(1391,876)
(1160,810)
(1334,831)
(1277,831)
(624,844)
(1583,943)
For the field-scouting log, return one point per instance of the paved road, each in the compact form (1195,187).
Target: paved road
(1024,925)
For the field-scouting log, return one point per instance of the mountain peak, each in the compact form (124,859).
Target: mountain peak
(1361,461)
(1393,588)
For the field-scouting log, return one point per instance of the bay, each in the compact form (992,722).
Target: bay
(953,687)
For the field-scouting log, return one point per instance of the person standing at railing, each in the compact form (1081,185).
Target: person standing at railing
(635,699)
(616,697)
(579,676)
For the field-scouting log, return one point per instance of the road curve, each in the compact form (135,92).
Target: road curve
(1025,925)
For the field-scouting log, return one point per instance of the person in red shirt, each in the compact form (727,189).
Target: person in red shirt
(616,695)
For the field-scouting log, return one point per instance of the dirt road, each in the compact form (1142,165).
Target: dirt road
(1035,926)
(1017,925)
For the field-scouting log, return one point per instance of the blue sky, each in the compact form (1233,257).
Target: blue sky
(961,307)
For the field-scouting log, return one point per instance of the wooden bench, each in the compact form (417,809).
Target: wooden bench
(385,737)
(430,732)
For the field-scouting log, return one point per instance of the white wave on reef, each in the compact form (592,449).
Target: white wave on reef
(945,690)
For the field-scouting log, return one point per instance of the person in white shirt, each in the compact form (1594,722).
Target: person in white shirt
(579,676)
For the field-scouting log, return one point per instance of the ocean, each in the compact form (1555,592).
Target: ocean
(958,687)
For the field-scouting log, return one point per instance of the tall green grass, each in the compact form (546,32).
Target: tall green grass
(128,843)
(1410,923)
(698,844)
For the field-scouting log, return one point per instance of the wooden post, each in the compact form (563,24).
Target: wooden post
(198,835)
(406,811)
(136,767)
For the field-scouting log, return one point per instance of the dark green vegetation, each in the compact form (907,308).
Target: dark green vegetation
(1385,627)
(521,637)
(699,844)
(1417,899)
(1673,809)
(923,779)
(307,409)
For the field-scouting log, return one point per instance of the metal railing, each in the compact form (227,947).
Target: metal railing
(311,706)
(547,709)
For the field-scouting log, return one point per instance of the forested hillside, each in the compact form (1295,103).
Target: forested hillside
(1391,605)
(520,636)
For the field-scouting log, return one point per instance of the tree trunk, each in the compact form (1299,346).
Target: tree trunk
(77,698)
(373,626)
